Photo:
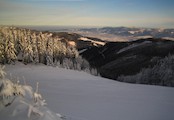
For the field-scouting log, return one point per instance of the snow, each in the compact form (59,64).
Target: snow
(160,29)
(21,109)
(81,51)
(168,38)
(132,32)
(81,96)
(72,43)
(96,43)
(133,46)
(143,37)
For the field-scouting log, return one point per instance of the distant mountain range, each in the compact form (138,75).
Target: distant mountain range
(111,33)
(126,31)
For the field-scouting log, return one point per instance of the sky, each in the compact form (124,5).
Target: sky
(130,13)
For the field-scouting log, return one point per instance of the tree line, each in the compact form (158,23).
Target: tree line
(29,46)
(160,74)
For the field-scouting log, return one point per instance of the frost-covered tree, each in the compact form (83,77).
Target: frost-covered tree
(38,47)
(2,72)
(8,90)
(161,74)
(165,70)
(2,50)
(21,102)
(7,40)
(28,53)
(10,52)
(41,47)
(49,52)
(34,48)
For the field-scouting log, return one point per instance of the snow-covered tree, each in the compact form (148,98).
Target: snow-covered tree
(10,52)
(2,72)
(38,47)
(28,54)
(41,47)
(2,50)
(34,48)
(49,52)
(9,90)
(161,74)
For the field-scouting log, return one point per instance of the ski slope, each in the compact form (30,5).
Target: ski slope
(81,96)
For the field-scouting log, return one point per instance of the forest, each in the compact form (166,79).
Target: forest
(30,46)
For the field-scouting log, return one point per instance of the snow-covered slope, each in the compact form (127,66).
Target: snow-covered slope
(80,96)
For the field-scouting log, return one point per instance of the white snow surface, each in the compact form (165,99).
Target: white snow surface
(81,51)
(96,43)
(133,46)
(81,96)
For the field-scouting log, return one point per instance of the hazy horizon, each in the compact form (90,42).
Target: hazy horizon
(88,13)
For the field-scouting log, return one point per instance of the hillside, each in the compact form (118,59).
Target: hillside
(81,96)
(130,58)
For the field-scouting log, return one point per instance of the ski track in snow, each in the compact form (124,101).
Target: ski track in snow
(81,96)
(133,46)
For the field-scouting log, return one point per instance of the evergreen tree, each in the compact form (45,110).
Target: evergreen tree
(37,47)
(10,52)
(2,50)
(49,52)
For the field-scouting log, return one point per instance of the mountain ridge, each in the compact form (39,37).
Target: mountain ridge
(116,59)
